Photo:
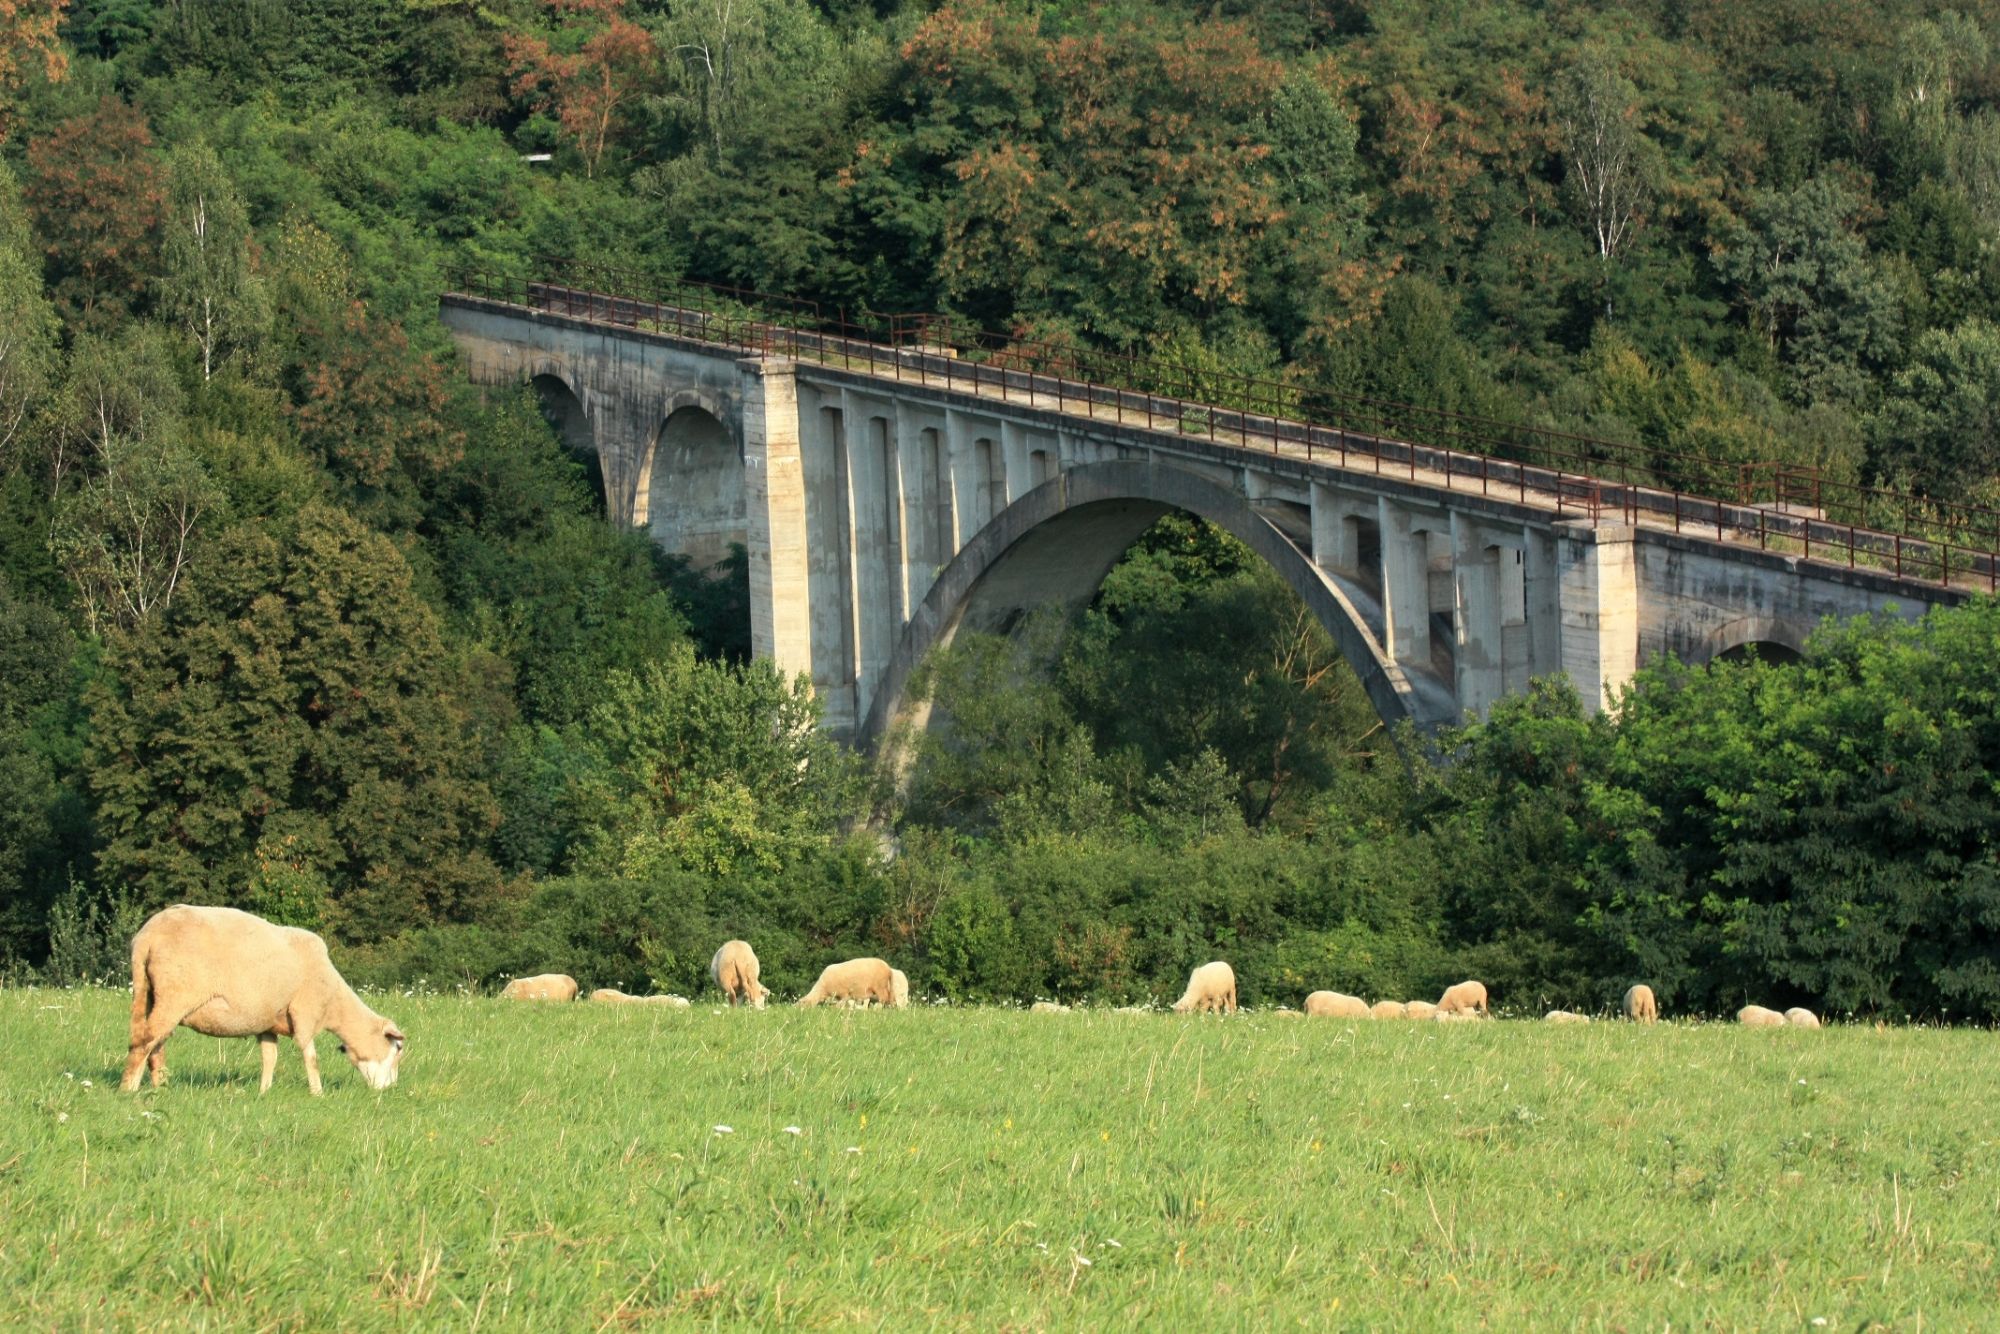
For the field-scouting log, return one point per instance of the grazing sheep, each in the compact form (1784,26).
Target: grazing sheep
(899,989)
(1210,987)
(231,975)
(1565,1017)
(1640,1007)
(610,996)
(1800,1017)
(1337,1005)
(856,982)
(734,969)
(1420,1009)
(1048,1007)
(1756,1016)
(544,987)
(1465,998)
(1389,1010)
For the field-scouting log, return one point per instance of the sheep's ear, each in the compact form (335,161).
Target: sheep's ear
(394,1034)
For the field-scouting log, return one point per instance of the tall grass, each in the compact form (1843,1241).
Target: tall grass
(563,1167)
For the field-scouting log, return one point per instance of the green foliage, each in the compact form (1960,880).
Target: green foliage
(298,692)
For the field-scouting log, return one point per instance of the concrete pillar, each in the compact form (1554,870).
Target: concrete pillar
(1405,596)
(1013,478)
(876,546)
(1476,583)
(1540,586)
(1597,569)
(774,494)
(622,441)
(1334,539)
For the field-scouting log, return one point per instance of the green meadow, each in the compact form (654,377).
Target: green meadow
(567,1167)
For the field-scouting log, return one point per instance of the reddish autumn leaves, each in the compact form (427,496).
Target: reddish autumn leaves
(608,61)
(94,187)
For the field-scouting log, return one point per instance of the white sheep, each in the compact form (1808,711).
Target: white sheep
(1756,1016)
(1800,1017)
(855,982)
(1337,1005)
(1210,987)
(1465,998)
(229,974)
(1389,1010)
(541,987)
(1640,1007)
(735,969)
(1565,1017)
(899,989)
(1048,1007)
(1419,1010)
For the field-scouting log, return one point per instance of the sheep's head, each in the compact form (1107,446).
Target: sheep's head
(759,993)
(376,1051)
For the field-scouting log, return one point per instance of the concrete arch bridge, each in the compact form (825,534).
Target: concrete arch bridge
(891,492)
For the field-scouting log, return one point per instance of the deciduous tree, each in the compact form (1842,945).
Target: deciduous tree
(94,189)
(599,64)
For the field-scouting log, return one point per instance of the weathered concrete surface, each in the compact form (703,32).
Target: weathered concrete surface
(883,515)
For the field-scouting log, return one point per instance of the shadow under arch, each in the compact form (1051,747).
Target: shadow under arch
(565,412)
(1056,544)
(1774,638)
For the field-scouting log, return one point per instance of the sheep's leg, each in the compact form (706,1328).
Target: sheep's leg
(267,1049)
(148,1035)
(312,1060)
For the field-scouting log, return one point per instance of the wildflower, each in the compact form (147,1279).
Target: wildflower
(864,1120)
(1083,1260)
(725,1130)
(1113,1243)
(61,1117)
(1105,1136)
(86,1083)
(68,1074)
(1818,1319)
(793,1130)
(853,1149)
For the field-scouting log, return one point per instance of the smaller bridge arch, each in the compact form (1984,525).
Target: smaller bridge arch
(1057,543)
(564,409)
(690,493)
(1774,638)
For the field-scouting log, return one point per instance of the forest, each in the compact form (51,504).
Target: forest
(292,618)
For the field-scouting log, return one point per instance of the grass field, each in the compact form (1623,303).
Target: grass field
(564,1167)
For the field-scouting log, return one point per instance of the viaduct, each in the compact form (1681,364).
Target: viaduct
(890,496)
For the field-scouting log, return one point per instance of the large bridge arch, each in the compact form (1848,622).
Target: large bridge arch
(1056,544)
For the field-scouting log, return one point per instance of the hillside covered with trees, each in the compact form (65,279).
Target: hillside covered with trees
(292,618)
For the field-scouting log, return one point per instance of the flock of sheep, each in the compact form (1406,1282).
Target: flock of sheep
(227,973)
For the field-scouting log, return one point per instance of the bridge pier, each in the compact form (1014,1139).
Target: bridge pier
(774,493)
(1598,571)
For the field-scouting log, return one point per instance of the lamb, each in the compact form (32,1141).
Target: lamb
(1048,1007)
(1565,1017)
(1800,1017)
(542,987)
(1420,1010)
(1210,987)
(856,982)
(1389,1010)
(899,989)
(1465,998)
(1640,1007)
(1336,1005)
(229,974)
(734,969)
(1756,1016)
